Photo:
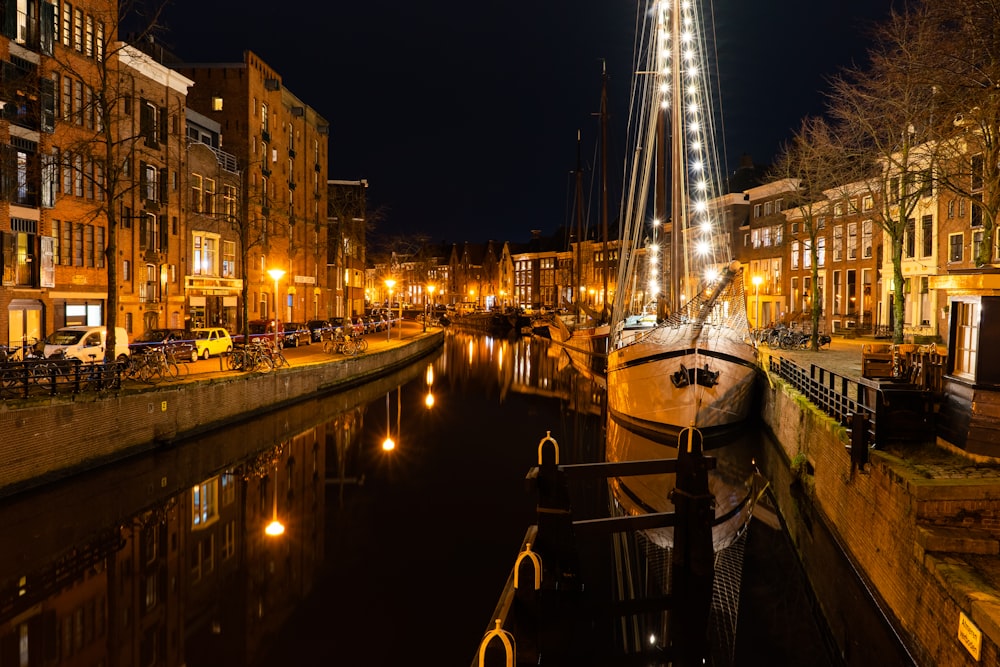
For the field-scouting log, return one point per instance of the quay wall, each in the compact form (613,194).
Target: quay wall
(47,438)
(925,545)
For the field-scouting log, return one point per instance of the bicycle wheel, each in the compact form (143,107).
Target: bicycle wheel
(236,360)
(362,345)
(264,364)
(350,348)
(328,346)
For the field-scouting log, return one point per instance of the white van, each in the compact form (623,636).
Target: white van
(85,343)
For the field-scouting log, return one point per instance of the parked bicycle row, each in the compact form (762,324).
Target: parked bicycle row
(787,338)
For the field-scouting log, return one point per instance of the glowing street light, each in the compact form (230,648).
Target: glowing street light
(389,283)
(756,280)
(276,275)
(430,292)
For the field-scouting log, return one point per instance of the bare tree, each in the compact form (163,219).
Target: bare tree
(961,55)
(812,164)
(98,143)
(882,116)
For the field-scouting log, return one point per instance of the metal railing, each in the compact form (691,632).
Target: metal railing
(896,412)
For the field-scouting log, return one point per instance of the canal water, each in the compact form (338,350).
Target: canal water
(387,556)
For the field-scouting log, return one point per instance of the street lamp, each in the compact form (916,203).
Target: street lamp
(756,280)
(276,275)
(389,283)
(430,292)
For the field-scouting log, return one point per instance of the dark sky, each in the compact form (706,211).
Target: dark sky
(463,116)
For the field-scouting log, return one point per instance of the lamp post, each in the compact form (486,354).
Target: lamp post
(757,280)
(276,275)
(390,283)
(430,292)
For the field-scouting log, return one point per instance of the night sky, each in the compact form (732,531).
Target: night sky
(463,116)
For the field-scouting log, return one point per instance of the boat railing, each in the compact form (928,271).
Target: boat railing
(895,412)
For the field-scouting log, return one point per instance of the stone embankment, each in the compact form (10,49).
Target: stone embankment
(50,437)
(920,524)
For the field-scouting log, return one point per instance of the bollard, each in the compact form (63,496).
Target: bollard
(508,644)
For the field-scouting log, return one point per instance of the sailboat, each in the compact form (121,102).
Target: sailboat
(696,367)
(584,334)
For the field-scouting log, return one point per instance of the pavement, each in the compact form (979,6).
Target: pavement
(842,356)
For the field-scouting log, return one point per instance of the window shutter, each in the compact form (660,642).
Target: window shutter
(164,186)
(143,184)
(164,231)
(48,105)
(47,28)
(142,231)
(162,136)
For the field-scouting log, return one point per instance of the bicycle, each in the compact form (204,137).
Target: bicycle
(340,342)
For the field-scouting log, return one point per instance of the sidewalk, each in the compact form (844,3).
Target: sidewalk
(842,356)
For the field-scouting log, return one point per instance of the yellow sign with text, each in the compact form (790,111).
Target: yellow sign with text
(970,636)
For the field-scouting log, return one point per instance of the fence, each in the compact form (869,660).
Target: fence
(895,412)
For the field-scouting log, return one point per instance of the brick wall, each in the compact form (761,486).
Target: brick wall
(880,517)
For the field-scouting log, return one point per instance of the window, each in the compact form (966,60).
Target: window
(955,242)
(838,242)
(821,251)
(126,270)
(977,210)
(977,244)
(768,207)
(228,259)
(78,245)
(229,201)
(67,29)
(264,119)
(867,203)
(216,104)
(88,46)
(88,245)
(838,209)
(196,193)
(966,338)
(807,259)
(78,29)
(926,235)
(909,240)
(866,238)
(66,243)
(204,510)
(852,240)
(78,102)
(756,210)
(149,123)
(951,208)
(779,205)
(149,186)
(209,207)
(205,254)
(795,254)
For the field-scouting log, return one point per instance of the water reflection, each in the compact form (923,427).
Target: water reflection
(168,559)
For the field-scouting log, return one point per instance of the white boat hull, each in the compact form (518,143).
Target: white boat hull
(670,378)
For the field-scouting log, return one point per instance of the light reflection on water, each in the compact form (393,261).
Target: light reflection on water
(387,556)
(165,557)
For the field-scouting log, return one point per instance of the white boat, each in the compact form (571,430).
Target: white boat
(696,366)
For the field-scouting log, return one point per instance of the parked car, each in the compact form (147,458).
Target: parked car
(317,328)
(270,330)
(85,343)
(296,334)
(178,342)
(212,341)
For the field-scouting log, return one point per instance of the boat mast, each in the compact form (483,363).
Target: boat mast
(604,189)
(577,299)
(678,209)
